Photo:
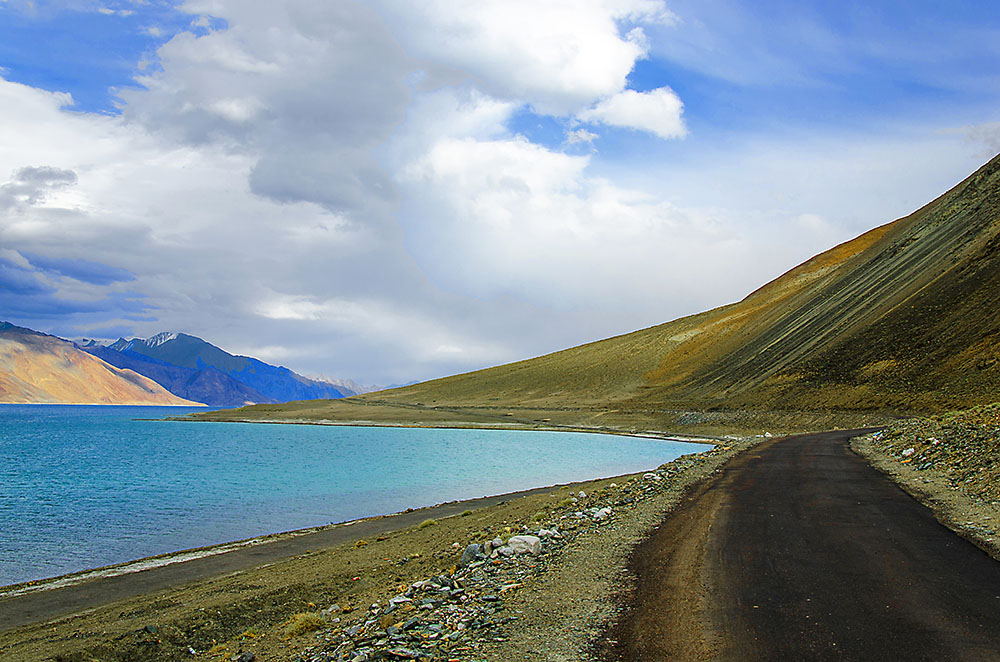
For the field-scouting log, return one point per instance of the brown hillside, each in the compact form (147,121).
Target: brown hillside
(39,369)
(901,318)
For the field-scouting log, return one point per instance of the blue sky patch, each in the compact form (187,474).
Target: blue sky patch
(85,271)
(88,52)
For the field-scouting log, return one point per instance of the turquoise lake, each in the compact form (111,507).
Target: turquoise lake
(82,487)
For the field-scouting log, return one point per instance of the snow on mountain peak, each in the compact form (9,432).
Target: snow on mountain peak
(160,338)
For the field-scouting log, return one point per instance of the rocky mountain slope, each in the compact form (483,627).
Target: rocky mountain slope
(192,368)
(38,368)
(903,318)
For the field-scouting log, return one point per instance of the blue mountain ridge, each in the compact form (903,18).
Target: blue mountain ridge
(194,369)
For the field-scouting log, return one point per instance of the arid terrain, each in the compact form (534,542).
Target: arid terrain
(898,321)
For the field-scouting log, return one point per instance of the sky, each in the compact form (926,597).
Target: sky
(391,191)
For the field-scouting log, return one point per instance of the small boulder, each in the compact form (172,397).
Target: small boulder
(470,554)
(525,544)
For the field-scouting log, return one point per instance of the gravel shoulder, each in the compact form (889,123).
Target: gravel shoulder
(949,464)
(331,601)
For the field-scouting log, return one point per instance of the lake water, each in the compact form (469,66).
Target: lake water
(82,487)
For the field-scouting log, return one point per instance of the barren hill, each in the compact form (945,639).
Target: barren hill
(903,318)
(40,369)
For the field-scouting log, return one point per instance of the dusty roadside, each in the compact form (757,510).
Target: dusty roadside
(318,604)
(948,463)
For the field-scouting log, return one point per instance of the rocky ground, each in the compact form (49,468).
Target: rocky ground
(950,463)
(536,576)
(542,589)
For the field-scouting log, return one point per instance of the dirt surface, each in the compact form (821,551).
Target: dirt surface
(801,550)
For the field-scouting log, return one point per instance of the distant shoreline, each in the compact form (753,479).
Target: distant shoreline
(647,434)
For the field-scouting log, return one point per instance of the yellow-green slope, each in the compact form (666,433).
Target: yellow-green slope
(902,318)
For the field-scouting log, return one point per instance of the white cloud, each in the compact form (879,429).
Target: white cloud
(580,136)
(557,56)
(658,111)
(987,135)
(515,219)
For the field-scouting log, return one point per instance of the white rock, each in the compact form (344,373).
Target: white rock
(582,494)
(602,514)
(525,544)
(908,452)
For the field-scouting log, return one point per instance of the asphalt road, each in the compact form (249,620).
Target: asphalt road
(800,550)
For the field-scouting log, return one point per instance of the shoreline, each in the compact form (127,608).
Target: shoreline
(155,561)
(165,559)
(249,608)
(528,427)
(291,543)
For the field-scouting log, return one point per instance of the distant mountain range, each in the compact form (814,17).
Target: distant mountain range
(194,369)
(36,368)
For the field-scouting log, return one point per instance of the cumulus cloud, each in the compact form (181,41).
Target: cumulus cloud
(517,219)
(580,136)
(658,111)
(559,57)
(32,185)
(308,107)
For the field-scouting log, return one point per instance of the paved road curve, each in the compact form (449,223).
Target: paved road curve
(801,551)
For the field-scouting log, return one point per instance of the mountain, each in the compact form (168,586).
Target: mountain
(191,368)
(36,368)
(209,385)
(904,318)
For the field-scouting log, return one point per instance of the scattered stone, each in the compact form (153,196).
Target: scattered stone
(601,514)
(525,545)
(460,613)
(470,554)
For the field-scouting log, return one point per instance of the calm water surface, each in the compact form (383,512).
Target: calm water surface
(82,487)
